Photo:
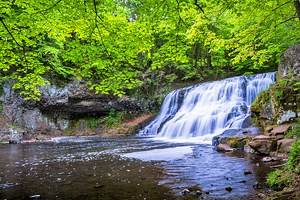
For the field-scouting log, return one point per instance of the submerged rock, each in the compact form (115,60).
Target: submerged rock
(247,173)
(228,189)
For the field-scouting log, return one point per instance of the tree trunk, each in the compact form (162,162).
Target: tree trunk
(209,59)
(297,6)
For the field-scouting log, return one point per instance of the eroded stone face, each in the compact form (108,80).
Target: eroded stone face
(290,62)
(60,105)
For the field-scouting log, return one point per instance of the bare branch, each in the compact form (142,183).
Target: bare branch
(297,6)
(282,5)
(198,6)
(11,35)
(96,11)
(47,9)
(286,20)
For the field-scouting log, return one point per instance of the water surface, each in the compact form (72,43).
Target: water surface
(128,168)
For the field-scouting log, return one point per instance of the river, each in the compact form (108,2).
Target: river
(124,168)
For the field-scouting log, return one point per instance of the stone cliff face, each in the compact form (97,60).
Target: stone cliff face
(290,62)
(59,106)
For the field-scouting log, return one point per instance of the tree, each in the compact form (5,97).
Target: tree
(116,46)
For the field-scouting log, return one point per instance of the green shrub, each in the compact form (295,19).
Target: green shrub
(113,119)
(294,158)
(279,179)
(285,177)
(93,122)
(294,131)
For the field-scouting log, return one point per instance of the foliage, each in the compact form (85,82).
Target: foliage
(113,119)
(92,122)
(294,131)
(261,100)
(294,158)
(286,177)
(117,46)
(279,179)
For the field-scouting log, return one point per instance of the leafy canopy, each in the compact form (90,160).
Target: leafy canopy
(119,45)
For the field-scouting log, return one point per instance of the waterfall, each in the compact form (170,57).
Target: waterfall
(204,110)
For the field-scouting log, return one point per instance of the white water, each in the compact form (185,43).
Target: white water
(197,113)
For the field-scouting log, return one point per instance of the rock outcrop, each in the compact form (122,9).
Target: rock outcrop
(281,102)
(284,145)
(290,62)
(263,144)
(60,105)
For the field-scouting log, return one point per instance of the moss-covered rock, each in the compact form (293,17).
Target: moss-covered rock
(273,105)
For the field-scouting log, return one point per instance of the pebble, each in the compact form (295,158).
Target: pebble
(185,191)
(98,185)
(198,193)
(247,173)
(36,196)
(228,189)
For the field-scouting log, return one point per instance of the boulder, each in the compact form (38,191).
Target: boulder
(270,159)
(290,62)
(288,115)
(263,137)
(269,128)
(235,138)
(282,129)
(263,144)
(284,145)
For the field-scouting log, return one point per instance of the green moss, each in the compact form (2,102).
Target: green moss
(236,142)
(270,104)
(260,101)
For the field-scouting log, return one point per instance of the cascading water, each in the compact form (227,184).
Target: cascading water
(202,111)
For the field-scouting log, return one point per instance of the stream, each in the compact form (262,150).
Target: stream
(123,168)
